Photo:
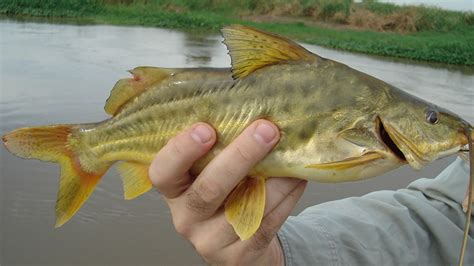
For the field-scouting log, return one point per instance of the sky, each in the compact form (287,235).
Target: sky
(460,5)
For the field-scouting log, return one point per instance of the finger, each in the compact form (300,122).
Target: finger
(217,227)
(213,234)
(223,173)
(272,222)
(169,170)
(277,189)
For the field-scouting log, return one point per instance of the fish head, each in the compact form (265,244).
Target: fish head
(420,132)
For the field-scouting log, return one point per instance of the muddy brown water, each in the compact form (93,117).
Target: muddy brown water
(51,73)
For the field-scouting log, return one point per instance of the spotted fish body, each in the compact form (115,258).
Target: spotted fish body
(337,124)
(302,105)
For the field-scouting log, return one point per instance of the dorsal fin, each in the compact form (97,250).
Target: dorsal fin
(127,89)
(251,49)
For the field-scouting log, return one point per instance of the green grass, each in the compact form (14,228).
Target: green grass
(51,8)
(154,17)
(440,44)
(451,48)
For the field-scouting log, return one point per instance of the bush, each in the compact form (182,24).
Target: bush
(380,8)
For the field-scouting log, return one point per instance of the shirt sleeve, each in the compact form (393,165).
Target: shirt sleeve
(419,225)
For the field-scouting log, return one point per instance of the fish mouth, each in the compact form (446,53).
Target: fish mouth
(400,146)
(387,140)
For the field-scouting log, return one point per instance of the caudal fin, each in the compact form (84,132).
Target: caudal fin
(52,143)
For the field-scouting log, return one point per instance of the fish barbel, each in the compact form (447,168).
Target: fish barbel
(337,124)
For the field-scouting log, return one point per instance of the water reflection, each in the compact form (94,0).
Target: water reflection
(63,74)
(450,87)
(199,48)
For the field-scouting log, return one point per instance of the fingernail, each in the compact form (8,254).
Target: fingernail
(201,134)
(264,133)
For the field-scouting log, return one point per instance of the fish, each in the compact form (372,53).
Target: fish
(336,124)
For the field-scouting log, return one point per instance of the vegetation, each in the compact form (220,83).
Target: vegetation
(51,8)
(415,32)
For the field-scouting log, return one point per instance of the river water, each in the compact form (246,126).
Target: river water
(52,74)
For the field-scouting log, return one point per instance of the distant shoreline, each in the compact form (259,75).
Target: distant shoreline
(454,45)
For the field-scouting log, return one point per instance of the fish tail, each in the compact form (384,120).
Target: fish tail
(53,143)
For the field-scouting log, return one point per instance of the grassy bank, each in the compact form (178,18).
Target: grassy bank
(419,33)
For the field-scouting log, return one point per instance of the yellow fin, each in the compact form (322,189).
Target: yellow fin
(46,143)
(75,187)
(51,143)
(127,89)
(348,163)
(251,49)
(245,206)
(135,179)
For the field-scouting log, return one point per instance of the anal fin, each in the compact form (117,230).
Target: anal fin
(135,179)
(245,206)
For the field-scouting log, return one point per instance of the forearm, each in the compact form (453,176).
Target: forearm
(418,225)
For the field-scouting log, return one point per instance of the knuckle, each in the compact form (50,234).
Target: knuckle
(211,191)
(182,226)
(155,176)
(203,248)
(202,198)
(245,156)
(158,177)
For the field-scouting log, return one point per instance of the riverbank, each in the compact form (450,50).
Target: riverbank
(449,41)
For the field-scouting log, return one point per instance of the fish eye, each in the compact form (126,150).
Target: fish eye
(432,117)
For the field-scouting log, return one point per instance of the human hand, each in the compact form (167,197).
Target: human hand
(196,204)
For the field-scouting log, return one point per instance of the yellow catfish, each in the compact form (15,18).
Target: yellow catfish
(337,124)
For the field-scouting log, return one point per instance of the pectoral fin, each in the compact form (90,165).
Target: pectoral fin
(348,163)
(245,206)
(135,179)
(361,137)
